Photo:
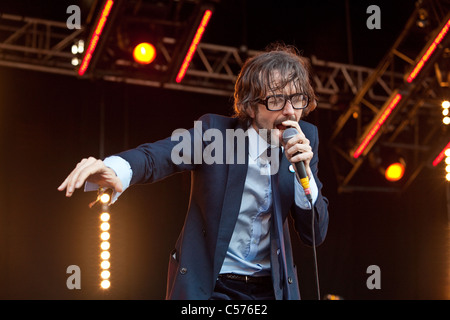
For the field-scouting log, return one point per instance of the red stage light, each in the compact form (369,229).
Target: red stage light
(95,37)
(441,155)
(428,52)
(373,131)
(144,53)
(193,46)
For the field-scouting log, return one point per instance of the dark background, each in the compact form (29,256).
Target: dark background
(49,122)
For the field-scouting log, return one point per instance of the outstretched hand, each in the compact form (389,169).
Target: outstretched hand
(91,170)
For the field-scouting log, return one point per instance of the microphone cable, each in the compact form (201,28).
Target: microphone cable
(316,269)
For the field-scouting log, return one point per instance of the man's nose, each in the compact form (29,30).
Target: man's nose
(288,109)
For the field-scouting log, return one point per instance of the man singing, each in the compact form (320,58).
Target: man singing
(235,243)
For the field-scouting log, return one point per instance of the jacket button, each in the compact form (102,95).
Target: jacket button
(290,280)
(183,270)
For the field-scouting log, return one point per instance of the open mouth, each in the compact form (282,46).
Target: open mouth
(281,127)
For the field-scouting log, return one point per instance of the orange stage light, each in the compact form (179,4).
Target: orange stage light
(395,171)
(144,53)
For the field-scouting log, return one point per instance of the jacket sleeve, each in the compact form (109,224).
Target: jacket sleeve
(182,151)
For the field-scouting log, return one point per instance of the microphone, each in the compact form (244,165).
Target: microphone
(300,166)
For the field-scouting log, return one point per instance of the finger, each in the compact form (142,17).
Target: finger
(118,185)
(63,185)
(293,124)
(298,148)
(308,171)
(299,140)
(66,181)
(89,169)
(305,157)
(73,175)
(72,179)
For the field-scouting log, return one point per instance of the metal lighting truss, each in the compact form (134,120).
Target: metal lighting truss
(355,95)
(45,45)
(37,44)
(390,114)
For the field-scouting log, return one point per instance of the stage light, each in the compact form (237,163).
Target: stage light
(105,284)
(105,264)
(413,74)
(95,37)
(105,255)
(104,226)
(105,274)
(446,120)
(144,53)
(75,61)
(447,162)
(78,47)
(105,245)
(104,198)
(395,171)
(447,152)
(444,152)
(104,216)
(422,18)
(333,297)
(372,130)
(193,46)
(445,112)
(104,236)
(445,104)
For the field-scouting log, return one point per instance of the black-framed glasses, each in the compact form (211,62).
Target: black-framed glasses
(278,101)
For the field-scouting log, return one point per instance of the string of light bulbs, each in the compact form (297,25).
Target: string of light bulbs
(105,245)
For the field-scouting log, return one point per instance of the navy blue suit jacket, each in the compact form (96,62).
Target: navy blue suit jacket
(215,198)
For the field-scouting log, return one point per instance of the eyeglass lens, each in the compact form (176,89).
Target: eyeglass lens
(277,102)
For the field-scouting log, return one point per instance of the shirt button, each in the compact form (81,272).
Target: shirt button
(290,280)
(183,270)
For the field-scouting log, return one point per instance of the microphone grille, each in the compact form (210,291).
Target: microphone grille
(288,134)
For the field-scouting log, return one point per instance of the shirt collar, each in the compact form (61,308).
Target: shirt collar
(256,144)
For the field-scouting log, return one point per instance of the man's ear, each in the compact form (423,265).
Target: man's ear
(251,111)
